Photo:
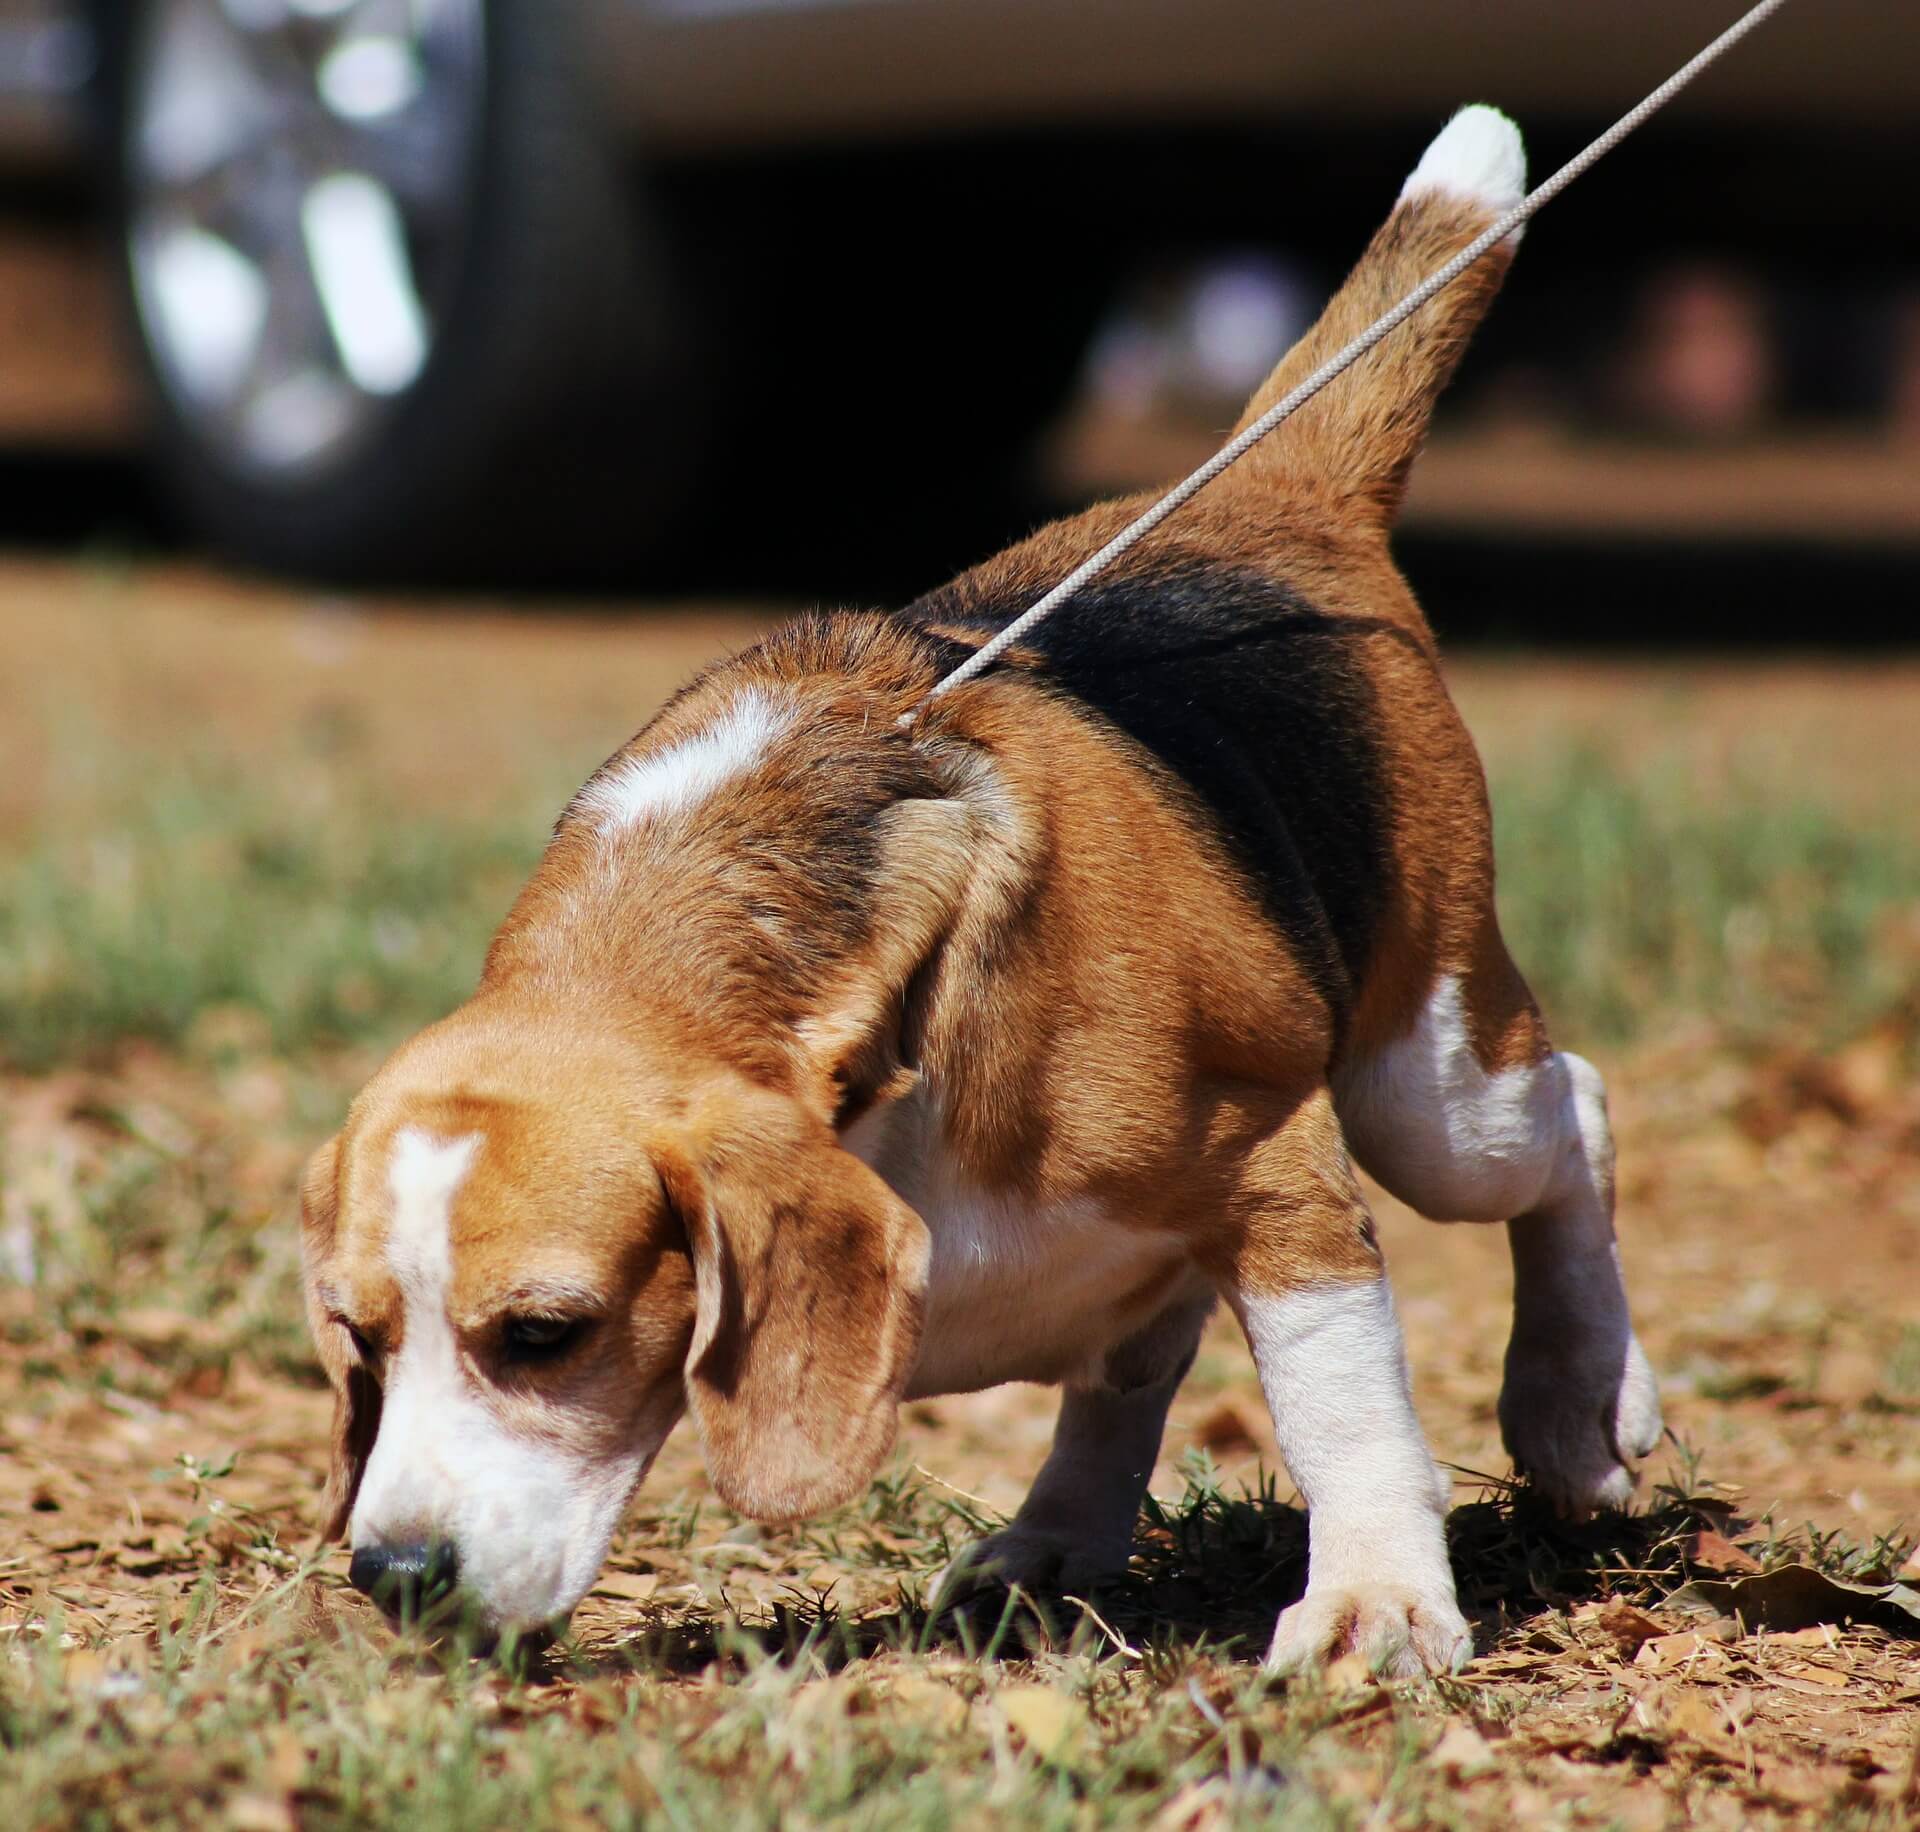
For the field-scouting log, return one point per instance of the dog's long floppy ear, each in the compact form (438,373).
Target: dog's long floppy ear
(863,1028)
(811,1276)
(356,1394)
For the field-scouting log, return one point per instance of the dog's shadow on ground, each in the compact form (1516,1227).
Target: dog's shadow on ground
(1209,1574)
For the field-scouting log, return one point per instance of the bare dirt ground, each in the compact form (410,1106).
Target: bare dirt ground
(1770,1217)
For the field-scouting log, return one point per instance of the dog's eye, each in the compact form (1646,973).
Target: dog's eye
(363,1345)
(533,1338)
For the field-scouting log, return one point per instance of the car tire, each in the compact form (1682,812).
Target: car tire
(550,428)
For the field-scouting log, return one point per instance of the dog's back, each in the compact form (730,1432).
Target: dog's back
(1257,706)
(1263,654)
(1259,662)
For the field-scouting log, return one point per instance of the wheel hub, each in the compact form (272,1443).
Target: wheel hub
(299,174)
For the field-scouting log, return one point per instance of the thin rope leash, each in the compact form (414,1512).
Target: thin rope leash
(1237,448)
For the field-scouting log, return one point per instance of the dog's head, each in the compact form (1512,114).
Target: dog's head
(520,1272)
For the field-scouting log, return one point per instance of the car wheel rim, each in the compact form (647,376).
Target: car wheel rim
(299,176)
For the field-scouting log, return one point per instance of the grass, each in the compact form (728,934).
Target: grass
(281,914)
(1628,896)
(289,891)
(281,922)
(216,958)
(288,1707)
(398,1739)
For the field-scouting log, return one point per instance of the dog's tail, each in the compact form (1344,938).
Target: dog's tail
(1358,437)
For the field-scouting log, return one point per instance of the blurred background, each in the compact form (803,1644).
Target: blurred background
(625,294)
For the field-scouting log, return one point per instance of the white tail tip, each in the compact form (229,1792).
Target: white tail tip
(1478,156)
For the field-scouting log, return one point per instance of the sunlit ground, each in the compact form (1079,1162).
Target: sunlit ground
(249,838)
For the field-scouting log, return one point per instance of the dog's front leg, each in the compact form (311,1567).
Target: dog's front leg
(1075,1527)
(1310,1289)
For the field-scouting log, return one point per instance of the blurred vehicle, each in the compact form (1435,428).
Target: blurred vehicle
(414,282)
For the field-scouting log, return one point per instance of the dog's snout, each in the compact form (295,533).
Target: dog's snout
(408,1579)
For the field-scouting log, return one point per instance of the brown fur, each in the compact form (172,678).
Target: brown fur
(1010,903)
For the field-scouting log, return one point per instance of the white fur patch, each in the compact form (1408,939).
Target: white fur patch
(1479,156)
(423,1178)
(531,1526)
(1334,1372)
(1580,1403)
(1014,1292)
(661,783)
(1530,1146)
(1446,1137)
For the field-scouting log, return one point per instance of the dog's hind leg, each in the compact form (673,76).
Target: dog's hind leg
(1076,1525)
(1472,1116)
(1301,1267)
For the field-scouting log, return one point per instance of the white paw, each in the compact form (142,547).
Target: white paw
(1402,1631)
(1034,1559)
(1577,1415)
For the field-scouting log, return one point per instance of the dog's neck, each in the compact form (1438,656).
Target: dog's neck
(770,869)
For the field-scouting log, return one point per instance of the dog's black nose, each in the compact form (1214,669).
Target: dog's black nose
(407,1581)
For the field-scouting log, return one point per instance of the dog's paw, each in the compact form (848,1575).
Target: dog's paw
(1401,1631)
(1577,1417)
(1047,1563)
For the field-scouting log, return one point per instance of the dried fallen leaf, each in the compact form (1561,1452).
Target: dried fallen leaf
(1229,1429)
(1714,1552)
(1817,1676)
(1048,1722)
(260,1813)
(1515,1660)
(1626,1627)
(1463,1753)
(627,1586)
(929,1702)
(1668,1651)
(1869,1071)
(1797,1596)
(1702,1724)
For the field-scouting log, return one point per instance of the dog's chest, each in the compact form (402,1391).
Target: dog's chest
(1014,1292)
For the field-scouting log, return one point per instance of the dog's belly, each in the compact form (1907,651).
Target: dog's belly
(1014,1292)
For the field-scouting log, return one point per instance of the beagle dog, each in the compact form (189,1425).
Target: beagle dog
(826,1063)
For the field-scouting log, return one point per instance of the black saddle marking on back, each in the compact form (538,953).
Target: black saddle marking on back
(1257,702)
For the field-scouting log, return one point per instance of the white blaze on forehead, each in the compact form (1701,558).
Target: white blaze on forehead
(424,1384)
(423,1178)
(685,774)
(529,1524)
